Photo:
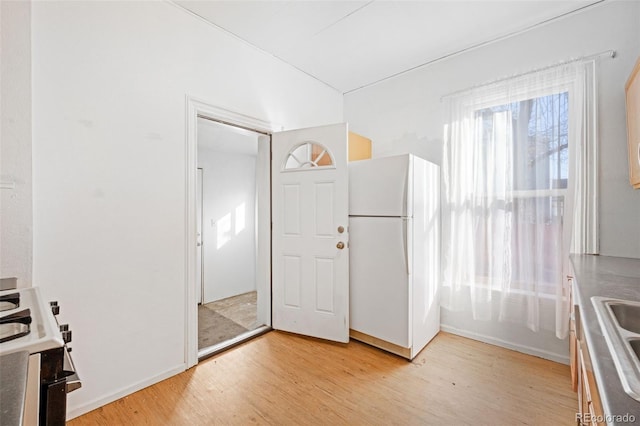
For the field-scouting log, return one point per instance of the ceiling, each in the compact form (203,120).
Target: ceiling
(353,44)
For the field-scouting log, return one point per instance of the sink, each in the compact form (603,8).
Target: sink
(627,314)
(620,323)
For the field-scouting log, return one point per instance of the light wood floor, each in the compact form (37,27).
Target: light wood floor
(285,379)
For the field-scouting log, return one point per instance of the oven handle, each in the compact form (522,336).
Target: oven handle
(73,383)
(73,380)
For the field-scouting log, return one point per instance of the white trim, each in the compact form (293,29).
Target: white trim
(99,402)
(563,359)
(191,314)
(229,116)
(195,107)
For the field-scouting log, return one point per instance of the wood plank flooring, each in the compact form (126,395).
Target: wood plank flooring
(285,379)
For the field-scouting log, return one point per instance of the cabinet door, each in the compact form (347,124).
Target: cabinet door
(573,355)
(589,403)
(359,147)
(633,125)
(573,339)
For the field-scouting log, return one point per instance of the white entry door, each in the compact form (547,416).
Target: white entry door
(310,236)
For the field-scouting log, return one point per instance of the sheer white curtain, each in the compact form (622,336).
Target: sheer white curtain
(519,165)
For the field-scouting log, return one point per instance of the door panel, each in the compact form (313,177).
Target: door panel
(292,280)
(324,192)
(310,203)
(325,284)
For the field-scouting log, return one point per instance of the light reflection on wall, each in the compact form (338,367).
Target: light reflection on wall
(240,218)
(224,225)
(223,230)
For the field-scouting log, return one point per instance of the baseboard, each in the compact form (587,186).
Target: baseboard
(563,359)
(97,403)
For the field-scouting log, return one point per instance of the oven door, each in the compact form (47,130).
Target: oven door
(32,395)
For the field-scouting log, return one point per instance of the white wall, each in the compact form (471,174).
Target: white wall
(229,238)
(404,115)
(16,221)
(109,106)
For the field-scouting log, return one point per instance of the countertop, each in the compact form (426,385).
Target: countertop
(13,372)
(606,276)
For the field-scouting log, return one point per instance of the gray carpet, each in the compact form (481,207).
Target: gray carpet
(214,328)
(241,309)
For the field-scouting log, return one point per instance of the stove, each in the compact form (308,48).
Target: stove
(28,323)
(44,331)
(15,325)
(9,301)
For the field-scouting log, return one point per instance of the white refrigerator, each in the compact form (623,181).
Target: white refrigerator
(394,228)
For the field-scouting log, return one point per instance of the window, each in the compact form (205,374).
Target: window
(540,138)
(537,158)
(308,156)
(519,191)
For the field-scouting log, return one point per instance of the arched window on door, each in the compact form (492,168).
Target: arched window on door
(308,156)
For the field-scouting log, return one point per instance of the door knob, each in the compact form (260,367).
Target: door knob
(340,245)
(340,229)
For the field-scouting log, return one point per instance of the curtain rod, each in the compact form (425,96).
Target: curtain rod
(609,53)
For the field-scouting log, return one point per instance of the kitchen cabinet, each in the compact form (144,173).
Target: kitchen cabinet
(590,410)
(573,342)
(359,149)
(589,405)
(602,392)
(632,89)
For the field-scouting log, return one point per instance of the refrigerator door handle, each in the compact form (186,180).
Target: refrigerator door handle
(405,244)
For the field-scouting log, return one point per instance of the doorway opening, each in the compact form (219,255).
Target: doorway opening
(233,235)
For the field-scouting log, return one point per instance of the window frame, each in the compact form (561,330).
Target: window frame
(313,166)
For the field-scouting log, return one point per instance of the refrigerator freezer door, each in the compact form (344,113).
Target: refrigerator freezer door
(381,187)
(379,281)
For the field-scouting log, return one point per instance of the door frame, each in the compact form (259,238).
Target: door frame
(200,207)
(195,108)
